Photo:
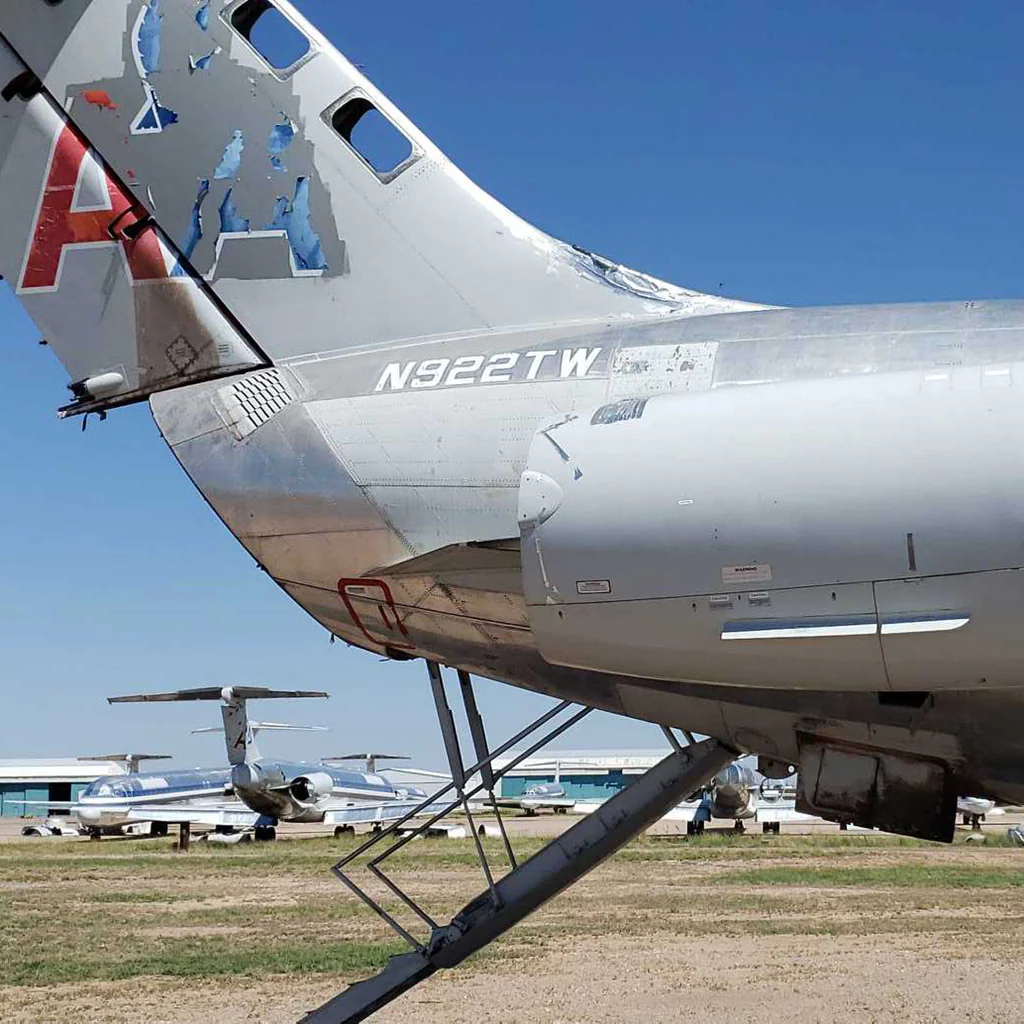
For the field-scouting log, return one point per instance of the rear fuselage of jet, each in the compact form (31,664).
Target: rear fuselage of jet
(754,524)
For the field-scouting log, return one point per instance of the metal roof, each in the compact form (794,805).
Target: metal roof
(55,769)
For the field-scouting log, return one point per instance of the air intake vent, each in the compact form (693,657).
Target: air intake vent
(247,404)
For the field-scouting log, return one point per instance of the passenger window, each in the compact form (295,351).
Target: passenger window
(270,33)
(373,137)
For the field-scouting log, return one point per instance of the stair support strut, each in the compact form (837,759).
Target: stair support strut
(563,861)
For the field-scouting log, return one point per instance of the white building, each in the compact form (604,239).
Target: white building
(586,775)
(40,779)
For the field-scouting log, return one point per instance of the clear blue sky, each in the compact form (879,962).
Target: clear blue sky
(799,153)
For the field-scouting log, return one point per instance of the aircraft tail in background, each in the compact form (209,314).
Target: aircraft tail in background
(239,732)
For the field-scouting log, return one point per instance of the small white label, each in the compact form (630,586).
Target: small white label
(746,573)
(593,587)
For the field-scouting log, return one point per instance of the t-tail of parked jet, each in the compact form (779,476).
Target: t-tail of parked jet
(192,190)
(239,732)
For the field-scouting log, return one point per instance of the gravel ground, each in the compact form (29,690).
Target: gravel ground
(792,930)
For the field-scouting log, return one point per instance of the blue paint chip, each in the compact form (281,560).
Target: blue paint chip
(281,137)
(294,219)
(230,220)
(155,117)
(201,63)
(203,14)
(195,231)
(229,162)
(148,41)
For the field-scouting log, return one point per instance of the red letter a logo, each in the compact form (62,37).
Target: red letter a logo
(63,223)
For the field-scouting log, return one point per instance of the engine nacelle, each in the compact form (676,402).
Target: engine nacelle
(311,788)
(855,533)
(733,793)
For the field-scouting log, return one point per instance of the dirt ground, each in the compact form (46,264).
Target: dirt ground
(857,928)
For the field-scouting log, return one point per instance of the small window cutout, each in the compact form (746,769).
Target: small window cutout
(372,136)
(270,33)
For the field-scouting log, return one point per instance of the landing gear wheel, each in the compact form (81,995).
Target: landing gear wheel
(264,833)
(771,828)
(343,830)
(738,827)
(158,828)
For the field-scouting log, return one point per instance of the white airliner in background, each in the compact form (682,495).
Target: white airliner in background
(252,792)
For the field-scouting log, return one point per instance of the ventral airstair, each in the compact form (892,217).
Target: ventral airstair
(526,886)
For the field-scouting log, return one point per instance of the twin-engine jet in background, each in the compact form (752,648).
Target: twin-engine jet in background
(450,436)
(269,791)
(253,792)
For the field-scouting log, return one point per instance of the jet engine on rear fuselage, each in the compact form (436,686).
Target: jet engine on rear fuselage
(824,534)
(733,794)
(311,788)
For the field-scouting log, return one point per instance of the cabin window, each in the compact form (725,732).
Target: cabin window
(382,146)
(272,35)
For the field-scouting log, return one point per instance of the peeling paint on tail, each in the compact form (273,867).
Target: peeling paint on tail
(294,219)
(232,158)
(195,232)
(231,222)
(281,137)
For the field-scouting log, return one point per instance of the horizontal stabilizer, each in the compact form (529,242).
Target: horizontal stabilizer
(363,757)
(264,726)
(226,693)
(127,758)
(369,760)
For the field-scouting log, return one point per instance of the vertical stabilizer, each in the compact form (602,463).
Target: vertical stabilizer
(304,199)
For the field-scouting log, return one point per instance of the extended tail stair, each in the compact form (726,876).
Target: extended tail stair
(506,901)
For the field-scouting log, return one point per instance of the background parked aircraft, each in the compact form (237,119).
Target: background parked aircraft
(252,792)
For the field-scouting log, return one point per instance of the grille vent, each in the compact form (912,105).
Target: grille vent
(247,404)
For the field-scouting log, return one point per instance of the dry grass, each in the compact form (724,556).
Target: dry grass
(96,914)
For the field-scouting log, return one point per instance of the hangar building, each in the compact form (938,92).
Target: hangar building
(586,775)
(40,779)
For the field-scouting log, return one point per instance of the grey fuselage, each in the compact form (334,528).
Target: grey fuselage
(385,499)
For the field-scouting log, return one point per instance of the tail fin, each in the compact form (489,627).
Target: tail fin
(111,293)
(307,203)
(239,732)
